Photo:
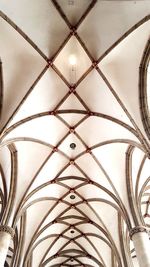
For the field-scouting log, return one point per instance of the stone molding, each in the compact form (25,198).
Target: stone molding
(138,229)
(7,229)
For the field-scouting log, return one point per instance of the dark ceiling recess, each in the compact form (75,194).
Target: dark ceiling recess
(72,145)
(72,196)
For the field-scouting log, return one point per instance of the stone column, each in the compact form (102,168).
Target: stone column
(6,233)
(140,238)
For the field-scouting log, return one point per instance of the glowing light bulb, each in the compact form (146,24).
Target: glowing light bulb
(72,60)
(72,69)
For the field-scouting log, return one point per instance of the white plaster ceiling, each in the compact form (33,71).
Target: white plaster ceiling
(43,113)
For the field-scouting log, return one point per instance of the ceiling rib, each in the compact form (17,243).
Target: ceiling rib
(71,161)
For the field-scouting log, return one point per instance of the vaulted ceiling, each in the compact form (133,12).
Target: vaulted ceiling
(74,154)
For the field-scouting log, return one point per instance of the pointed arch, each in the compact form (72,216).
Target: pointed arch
(143,89)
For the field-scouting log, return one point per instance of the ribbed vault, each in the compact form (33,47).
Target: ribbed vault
(73,205)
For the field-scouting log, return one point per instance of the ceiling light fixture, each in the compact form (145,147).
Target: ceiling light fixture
(72,68)
(72,197)
(72,60)
(72,145)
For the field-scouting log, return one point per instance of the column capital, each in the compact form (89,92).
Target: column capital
(138,229)
(7,229)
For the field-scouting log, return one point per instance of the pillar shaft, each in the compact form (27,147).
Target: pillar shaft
(6,233)
(141,242)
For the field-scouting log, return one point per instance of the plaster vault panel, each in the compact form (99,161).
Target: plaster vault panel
(74,156)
